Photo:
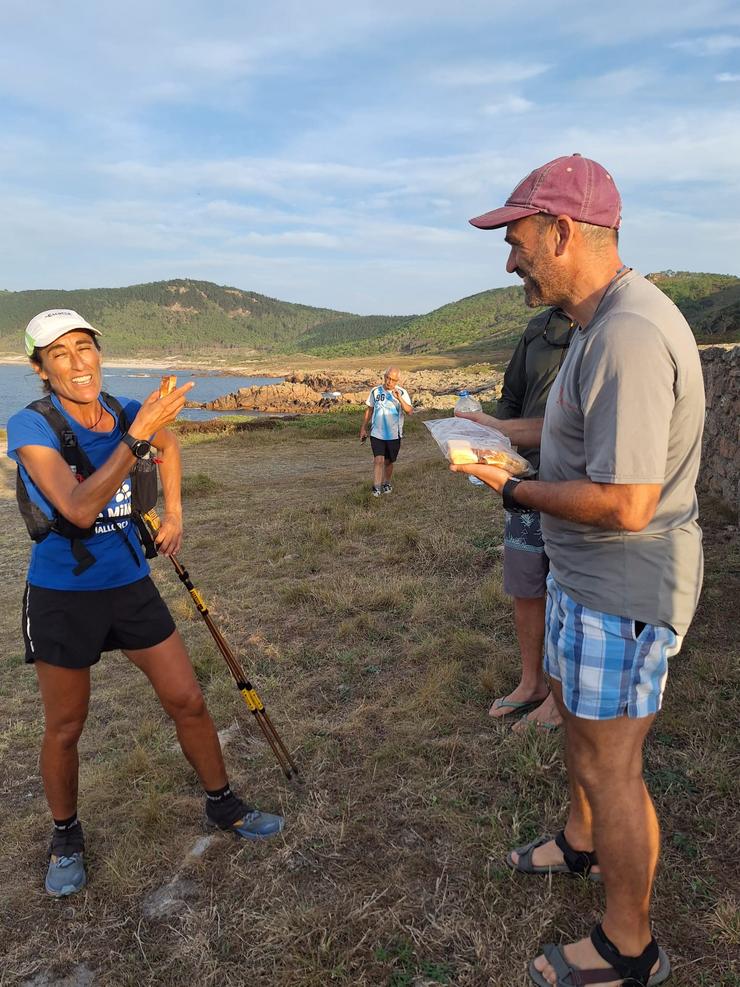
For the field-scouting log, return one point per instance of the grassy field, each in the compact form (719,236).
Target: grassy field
(377,633)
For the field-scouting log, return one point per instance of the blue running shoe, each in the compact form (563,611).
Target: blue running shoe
(256,825)
(66,873)
(232,815)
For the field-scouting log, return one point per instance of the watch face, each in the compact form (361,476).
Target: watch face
(139,447)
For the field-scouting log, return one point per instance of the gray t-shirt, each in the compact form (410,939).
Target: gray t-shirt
(628,407)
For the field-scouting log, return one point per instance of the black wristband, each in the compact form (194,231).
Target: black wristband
(507,496)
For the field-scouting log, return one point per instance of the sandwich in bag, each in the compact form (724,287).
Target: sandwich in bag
(463,441)
(167,385)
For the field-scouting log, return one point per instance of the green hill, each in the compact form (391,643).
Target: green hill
(709,302)
(498,316)
(185,317)
(179,316)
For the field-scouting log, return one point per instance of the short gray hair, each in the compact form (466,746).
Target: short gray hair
(597,237)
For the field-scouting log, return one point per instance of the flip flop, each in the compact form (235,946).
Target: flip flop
(515,707)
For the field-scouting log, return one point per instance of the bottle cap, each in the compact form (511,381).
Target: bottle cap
(463,394)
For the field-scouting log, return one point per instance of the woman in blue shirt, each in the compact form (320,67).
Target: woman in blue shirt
(72,612)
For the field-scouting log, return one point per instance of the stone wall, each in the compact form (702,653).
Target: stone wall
(720,469)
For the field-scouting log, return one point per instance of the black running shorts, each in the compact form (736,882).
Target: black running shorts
(71,628)
(388,448)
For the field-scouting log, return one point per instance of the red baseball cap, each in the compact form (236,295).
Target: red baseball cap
(571,186)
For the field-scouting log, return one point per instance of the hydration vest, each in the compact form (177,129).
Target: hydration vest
(143,479)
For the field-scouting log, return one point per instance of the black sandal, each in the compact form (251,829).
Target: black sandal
(576,862)
(634,971)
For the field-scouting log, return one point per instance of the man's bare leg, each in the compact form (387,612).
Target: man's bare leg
(529,620)
(605,758)
(579,827)
(378,471)
(388,472)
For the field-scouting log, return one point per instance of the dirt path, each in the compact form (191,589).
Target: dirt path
(276,471)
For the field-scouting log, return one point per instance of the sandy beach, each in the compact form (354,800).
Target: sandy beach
(171,363)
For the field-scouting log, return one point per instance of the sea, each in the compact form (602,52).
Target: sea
(19,385)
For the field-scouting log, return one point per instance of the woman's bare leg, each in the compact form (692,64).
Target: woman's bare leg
(168,668)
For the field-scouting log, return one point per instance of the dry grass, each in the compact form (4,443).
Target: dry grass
(377,632)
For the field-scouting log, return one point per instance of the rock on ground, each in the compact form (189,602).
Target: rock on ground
(81,976)
(305,392)
(169,900)
(270,397)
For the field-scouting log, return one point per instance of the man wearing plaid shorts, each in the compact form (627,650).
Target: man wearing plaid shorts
(620,449)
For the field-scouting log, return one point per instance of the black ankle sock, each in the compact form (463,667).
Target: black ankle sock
(219,794)
(223,807)
(67,837)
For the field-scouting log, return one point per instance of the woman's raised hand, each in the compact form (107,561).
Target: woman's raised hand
(157,412)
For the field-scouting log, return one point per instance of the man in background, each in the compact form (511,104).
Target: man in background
(533,367)
(386,405)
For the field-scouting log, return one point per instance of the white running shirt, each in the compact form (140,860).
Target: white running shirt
(388,414)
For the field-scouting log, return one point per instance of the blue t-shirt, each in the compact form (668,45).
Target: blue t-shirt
(388,415)
(52,561)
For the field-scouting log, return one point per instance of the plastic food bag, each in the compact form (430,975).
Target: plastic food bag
(463,441)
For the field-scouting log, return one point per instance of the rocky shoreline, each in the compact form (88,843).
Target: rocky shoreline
(308,393)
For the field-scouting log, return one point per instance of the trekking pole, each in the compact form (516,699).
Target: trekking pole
(245,687)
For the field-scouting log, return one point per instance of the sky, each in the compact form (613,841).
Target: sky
(331,153)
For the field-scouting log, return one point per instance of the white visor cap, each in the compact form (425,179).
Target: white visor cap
(45,327)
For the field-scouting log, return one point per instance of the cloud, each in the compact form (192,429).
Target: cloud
(217,59)
(693,147)
(620,82)
(639,21)
(317,152)
(717,44)
(289,238)
(168,51)
(509,104)
(276,178)
(487,74)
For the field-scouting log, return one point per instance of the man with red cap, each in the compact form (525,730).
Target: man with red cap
(620,446)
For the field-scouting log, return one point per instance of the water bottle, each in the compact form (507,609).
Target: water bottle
(467,403)
(475,481)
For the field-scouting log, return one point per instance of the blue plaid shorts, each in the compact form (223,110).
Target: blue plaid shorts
(605,668)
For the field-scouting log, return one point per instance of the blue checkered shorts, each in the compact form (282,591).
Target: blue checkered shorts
(605,669)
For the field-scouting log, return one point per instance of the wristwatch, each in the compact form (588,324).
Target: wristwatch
(507,496)
(140,447)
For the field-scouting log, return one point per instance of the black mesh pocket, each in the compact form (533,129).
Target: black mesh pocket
(144,485)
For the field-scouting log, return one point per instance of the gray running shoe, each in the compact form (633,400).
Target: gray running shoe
(377,491)
(66,873)
(386,488)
